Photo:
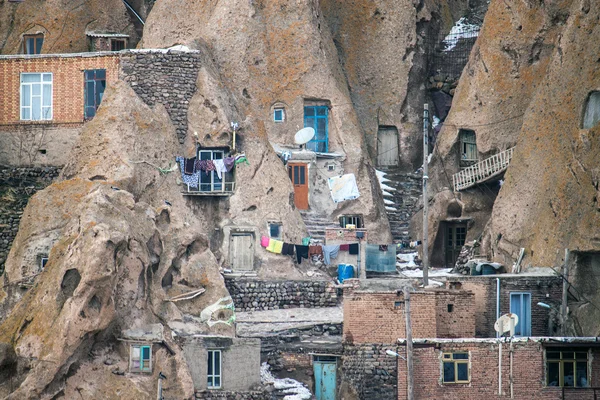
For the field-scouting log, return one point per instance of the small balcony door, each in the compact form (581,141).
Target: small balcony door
(210,182)
(299,177)
(520,304)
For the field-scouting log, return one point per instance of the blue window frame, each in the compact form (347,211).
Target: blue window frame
(141,358)
(278,115)
(316,117)
(520,304)
(95,83)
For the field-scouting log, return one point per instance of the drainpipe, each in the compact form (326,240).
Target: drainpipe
(497,303)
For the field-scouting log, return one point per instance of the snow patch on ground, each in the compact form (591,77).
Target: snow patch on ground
(381,176)
(406,260)
(293,389)
(386,193)
(387,201)
(418,273)
(386,187)
(178,47)
(391,208)
(462,29)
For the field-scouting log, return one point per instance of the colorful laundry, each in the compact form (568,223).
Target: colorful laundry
(383,247)
(330,252)
(305,241)
(301,252)
(353,249)
(275,246)
(220,168)
(316,250)
(264,241)
(190,165)
(288,249)
(229,163)
(241,158)
(344,247)
(205,165)
(190,180)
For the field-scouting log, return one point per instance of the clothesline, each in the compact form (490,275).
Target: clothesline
(191,168)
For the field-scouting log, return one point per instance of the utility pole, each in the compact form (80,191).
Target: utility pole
(409,346)
(565,290)
(425,199)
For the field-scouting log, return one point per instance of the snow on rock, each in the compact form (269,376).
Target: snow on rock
(386,187)
(389,202)
(462,29)
(292,389)
(391,208)
(381,176)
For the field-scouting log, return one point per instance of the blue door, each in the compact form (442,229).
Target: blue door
(325,379)
(520,304)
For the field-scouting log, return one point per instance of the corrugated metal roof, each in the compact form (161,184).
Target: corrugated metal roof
(106,35)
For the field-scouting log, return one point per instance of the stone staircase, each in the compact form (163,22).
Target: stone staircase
(316,225)
(401,193)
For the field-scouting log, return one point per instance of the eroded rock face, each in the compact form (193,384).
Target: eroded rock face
(516,46)
(279,53)
(62,23)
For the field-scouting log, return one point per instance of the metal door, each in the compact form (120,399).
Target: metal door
(455,240)
(298,175)
(387,146)
(325,380)
(241,251)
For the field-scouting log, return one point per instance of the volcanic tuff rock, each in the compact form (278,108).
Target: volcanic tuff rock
(63,23)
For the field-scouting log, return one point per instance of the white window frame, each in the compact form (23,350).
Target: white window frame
(214,374)
(132,358)
(42,263)
(41,83)
(213,174)
(282,114)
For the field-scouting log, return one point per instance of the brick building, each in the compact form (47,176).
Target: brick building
(469,368)
(518,294)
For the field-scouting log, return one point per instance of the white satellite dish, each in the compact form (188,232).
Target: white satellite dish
(506,323)
(304,136)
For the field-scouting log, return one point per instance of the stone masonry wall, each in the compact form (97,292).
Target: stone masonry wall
(371,372)
(225,395)
(254,295)
(166,78)
(17,185)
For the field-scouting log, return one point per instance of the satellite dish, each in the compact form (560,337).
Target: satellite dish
(304,136)
(506,323)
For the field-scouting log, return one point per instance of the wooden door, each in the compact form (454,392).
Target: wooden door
(387,146)
(241,251)
(299,177)
(455,239)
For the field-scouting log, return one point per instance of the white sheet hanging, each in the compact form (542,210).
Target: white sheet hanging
(343,188)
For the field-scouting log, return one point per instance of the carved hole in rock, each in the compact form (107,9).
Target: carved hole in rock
(167,280)
(70,282)
(42,151)
(245,93)
(251,208)
(164,219)
(270,190)
(454,210)
(221,316)
(95,303)
(24,326)
(98,178)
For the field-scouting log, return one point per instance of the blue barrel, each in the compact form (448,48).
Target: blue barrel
(345,271)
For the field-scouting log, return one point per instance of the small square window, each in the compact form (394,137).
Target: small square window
(450,307)
(140,359)
(356,220)
(455,368)
(330,167)
(43,262)
(275,230)
(32,44)
(117,44)
(279,115)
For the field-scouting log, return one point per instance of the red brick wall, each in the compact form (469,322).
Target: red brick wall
(67,81)
(343,236)
(547,289)
(378,317)
(528,373)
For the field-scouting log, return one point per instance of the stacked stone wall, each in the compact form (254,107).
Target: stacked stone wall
(168,78)
(370,371)
(226,395)
(17,185)
(255,295)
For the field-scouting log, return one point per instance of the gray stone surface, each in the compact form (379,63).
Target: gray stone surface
(370,372)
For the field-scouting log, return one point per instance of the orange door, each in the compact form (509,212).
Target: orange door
(298,175)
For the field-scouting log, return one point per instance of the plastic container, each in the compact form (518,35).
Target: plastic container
(474,270)
(345,271)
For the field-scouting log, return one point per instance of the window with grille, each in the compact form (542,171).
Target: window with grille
(32,44)
(279,114)
(214,369)
(140,358)
(316,117)
(567,367)
(355,220)
(36,96)
(117,44)
(455,368)
(95,83)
